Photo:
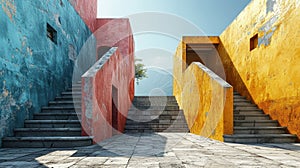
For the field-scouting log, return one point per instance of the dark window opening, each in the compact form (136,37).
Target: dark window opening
(203,53)
(254,42)
(51,33)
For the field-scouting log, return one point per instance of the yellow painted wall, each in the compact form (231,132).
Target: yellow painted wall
(270,74)
(206,99)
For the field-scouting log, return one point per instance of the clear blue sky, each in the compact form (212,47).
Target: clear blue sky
(211,17)
(157,32)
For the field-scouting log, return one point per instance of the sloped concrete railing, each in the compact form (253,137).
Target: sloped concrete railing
(207,100)
(111,72)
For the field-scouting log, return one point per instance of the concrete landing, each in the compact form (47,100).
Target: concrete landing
(156,150)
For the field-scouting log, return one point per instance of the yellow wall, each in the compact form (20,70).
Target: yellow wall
(206,99)
(269,74)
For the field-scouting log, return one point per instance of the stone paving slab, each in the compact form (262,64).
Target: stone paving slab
(156,150)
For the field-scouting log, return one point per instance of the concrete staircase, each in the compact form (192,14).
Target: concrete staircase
(56,126)
(155,114)
(251,125)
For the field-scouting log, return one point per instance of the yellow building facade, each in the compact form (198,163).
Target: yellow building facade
(260,55)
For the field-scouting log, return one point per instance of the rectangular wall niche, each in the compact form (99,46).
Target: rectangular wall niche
(253,42)
(51,33)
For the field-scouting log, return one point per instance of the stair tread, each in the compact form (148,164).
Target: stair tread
(47,138)
(258,135)
(154,110)
(47,129)
(60,107)
(258,121)
(154,97)
(65,101)
(51,121)
(56,113)
(257,128)
(251,115)
(68,96)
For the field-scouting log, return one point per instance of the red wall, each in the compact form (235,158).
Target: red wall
(117,71)
(87,9)
(97,95)
(115,33)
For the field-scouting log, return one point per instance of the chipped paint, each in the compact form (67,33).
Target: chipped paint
(30,62)
(268,75)
(267,31)
(270,5)
(9,8)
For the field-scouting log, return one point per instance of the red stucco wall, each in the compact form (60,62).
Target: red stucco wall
(115,33)
(117,71)
(97,96)
(87,9)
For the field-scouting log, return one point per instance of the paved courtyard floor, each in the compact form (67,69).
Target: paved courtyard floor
(168,150)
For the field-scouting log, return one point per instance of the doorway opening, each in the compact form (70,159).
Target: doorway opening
(115,111)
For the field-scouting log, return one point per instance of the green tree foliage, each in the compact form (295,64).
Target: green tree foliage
(140,71)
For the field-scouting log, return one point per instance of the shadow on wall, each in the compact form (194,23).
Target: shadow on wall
(232,75)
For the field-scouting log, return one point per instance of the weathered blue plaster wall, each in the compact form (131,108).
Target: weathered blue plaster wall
(33,70)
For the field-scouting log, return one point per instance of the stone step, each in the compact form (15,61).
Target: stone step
(155,126)
(260,138)
(46,142)
(237,100)
(76,85)
(154,108)
(74,89)
(71,93)
(154,121)
(248,112)
(252,125)
(154,98)
(68,98)
(244,104)
(56,116)
(60,109)
(52,124)
(155,112)
(239,97)
(256,123)
(64,103)
(169,103)
(251,117)
(150,117)
(38,132)
(178,130)
(260,130)
(241,108)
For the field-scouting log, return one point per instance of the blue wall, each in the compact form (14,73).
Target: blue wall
(33,69)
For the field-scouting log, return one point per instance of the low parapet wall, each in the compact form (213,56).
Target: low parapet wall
(106,96)
(207,100)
